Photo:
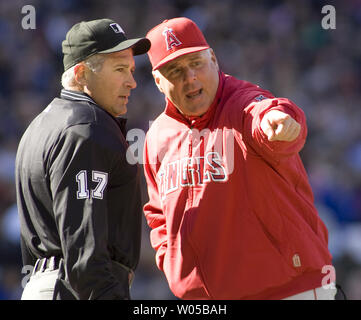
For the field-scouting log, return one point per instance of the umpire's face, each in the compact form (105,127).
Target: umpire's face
(110,87)
(190,82)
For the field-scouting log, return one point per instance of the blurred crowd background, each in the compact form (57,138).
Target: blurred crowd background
(279,45)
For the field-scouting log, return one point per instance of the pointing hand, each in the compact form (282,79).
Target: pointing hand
(279,126)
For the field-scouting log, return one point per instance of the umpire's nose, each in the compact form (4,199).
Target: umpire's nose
(131,83)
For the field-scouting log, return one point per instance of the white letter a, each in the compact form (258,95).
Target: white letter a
(28,22)
(329,20)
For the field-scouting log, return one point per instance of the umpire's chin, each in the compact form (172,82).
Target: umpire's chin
(120,108)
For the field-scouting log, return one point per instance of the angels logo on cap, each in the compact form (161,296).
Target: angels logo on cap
(173,38)
(170,38)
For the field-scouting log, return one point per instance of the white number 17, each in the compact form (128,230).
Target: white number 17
(82,180)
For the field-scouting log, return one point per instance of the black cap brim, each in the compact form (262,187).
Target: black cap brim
(139,45)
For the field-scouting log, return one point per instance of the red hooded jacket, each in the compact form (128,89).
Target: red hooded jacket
(232,214)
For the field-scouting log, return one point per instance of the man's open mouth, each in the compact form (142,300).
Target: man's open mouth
(194,94)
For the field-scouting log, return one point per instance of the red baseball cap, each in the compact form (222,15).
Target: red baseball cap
(174,38)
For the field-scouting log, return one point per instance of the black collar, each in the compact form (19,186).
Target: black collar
(81,96)
(75,95)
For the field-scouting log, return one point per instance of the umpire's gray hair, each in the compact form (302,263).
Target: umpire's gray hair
(94,63)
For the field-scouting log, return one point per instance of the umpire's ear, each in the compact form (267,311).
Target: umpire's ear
(79,74)
(156,76)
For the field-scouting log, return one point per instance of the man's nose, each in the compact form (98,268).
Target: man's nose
(131,83)
(189,75)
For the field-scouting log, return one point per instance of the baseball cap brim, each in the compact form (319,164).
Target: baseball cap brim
(179,53)
(139,45)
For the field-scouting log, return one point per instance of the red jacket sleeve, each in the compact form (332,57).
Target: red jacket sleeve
(257,139)
(153,212)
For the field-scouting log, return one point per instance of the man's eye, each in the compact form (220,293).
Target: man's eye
(175,72)
(196,63)
(119,69)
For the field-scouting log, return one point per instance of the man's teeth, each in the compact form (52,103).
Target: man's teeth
(191,95)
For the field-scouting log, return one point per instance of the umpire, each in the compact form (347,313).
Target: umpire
(78,196)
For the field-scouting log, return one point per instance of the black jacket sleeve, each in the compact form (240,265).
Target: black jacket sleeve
(79,175)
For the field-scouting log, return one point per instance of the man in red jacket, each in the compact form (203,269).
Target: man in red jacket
(230,206)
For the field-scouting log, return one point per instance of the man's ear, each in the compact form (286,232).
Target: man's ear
(213,57)
(80,74)
(156,76)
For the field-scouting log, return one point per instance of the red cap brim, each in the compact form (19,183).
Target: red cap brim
(179,53)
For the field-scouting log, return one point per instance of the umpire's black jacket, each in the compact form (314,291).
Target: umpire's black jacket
(79,198)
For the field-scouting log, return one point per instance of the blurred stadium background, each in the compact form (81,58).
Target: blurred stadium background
(279,45)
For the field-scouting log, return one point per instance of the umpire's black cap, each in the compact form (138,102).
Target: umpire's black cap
(98,36)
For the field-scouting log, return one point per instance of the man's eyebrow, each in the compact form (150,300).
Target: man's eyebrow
(119,64)
(172,66)
(195,57)
(176,64)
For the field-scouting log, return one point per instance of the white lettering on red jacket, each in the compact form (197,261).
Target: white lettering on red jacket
(191,172)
